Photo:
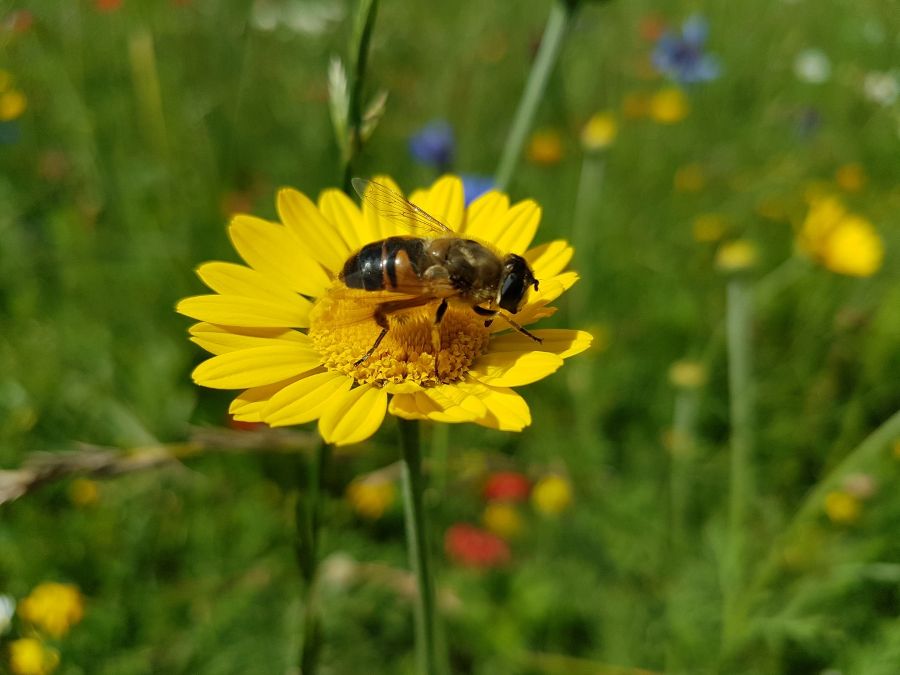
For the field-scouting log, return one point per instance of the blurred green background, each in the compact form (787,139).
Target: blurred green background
(146,124)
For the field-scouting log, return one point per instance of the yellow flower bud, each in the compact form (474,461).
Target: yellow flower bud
(552,495)
(599,132)
(503,519)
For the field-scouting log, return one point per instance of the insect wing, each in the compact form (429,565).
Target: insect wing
(390,204)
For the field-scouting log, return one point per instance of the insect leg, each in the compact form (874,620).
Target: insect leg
(519,328)
(384,310)
(482,311)
(436,332)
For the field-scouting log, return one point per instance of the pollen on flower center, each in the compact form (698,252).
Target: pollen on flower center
(406,353)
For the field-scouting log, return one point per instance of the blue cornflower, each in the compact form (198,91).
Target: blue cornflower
(682,57)
(10,132)
(434,145)
(474,186)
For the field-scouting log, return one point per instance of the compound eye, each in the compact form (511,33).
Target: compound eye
(512,290)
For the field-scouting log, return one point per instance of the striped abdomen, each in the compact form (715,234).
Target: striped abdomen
(385,264)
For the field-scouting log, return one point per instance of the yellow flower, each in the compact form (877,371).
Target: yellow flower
(708,227)
(840,241)
(12,105)
(687,374)
(293,336)
(599,132)
(851,177)
(737,256)
(669,106)
(842,508)
(689,178)
(371,497)
(53,608)
(503,519)
(552,495)
(29,656)
(84,492)
(545,147)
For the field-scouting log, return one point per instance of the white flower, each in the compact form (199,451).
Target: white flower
(813,66)
(7,610)
(881,87)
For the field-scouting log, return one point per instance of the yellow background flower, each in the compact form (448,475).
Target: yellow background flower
(30,656)
(552,495)
(503,519)
(599,132)
(669,106)
(840,241)
(53,608)
(545,147)
(371,497)
(291,377)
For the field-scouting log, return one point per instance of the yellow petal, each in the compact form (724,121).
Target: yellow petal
(404,406)
(340,210)
(552,288)
(231,279)
(251,402)
(443,201)
(231,310)
(320,237)
(223,339)
(272,249)
(451,396)
(514,368)
(384,226)
(518,227)
(486,215)
(560,341)
(507,410)
(304,400)
(449,403)
(256,366)
(353,416)
(549,259)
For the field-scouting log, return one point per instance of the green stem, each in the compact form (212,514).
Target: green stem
(362,37)
(584,238)
(308,514)
(551,42)
(417,541)
(684,424)
(740,389)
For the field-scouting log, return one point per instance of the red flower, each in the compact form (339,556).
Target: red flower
(107,5)
(472,547)
(507,486)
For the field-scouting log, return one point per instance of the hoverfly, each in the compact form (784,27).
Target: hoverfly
(436,269)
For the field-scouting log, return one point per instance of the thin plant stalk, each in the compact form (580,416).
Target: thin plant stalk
(584,238)
(362,37)
(684,431)
(417,542)
(308,517)
(551,43)
(740,389)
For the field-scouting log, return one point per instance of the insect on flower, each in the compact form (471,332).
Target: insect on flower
(335,316)
(403,272)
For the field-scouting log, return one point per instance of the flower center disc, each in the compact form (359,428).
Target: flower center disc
(343,331)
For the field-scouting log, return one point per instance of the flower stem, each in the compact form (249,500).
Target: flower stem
(584,238)
(307,516)
(740,389)
(551,42)
(417,541)
(362,36)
